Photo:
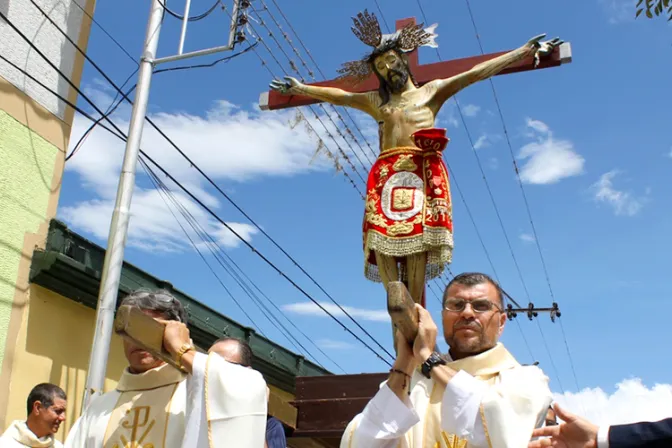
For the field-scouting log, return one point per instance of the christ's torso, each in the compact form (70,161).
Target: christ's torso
(403,115)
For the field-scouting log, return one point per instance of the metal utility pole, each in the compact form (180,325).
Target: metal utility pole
(114,256)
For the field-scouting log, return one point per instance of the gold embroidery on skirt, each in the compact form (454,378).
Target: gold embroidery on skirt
(405,163)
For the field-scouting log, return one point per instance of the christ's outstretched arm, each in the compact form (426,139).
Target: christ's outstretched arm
(335,96)
(446,88)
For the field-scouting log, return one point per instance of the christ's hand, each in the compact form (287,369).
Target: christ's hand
(285,87)
(543,49)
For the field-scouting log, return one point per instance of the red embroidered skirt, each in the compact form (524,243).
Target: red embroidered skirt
(408,206)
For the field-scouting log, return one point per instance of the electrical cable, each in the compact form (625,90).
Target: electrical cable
(195,18)
(122,136)
(310,56)
(113,107)
(295,69)
(312,75)
(520,184)
(191,162)
(209,241)
(76,3)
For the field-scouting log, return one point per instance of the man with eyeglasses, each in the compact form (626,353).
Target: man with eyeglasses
(215,404)
(476,396)
(239,352)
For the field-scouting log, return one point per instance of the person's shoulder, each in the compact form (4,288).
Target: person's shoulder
(57,444)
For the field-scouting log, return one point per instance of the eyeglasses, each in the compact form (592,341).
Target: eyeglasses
(478,305)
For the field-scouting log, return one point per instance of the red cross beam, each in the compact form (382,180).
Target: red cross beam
(562,54)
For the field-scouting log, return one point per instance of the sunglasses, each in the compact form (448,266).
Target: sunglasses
(478,305)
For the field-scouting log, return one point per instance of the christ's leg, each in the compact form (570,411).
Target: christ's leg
(416,265)
(387,268)
(389,272)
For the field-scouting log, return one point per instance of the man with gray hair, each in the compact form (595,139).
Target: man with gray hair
(216,404)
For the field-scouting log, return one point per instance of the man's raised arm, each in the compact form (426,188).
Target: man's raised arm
(333,95)
(446,88)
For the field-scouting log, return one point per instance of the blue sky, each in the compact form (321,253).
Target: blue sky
(590,138)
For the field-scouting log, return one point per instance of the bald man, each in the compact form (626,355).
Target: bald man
(239,352)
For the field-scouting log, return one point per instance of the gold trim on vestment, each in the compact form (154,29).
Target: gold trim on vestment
(170,406)
(206,400)
(485,425)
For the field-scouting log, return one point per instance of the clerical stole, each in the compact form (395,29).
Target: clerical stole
(427,398)
(142,416)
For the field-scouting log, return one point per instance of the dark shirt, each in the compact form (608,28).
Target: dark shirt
(275,433)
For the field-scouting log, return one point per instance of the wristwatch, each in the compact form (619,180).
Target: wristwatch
(433,360)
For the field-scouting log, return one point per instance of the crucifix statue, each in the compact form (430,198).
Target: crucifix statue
(408,225)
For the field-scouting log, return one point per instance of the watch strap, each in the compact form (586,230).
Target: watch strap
(433,360)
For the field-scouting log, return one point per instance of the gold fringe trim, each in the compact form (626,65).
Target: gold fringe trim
(437,242)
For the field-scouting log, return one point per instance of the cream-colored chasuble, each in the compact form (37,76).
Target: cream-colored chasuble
(18,435)
(219,405)
(140,417)
(493,401)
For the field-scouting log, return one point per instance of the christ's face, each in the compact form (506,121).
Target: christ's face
(392,69)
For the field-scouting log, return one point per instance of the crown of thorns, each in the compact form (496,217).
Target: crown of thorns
(367,29)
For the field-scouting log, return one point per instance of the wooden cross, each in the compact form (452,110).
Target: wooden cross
(562,54)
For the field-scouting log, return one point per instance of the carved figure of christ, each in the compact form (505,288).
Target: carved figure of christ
(401,108)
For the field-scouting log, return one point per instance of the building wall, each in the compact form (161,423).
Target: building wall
(34,133)
(27,17)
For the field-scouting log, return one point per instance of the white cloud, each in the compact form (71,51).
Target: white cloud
(632,401)
(309,308)
(526,237)
(471,110)
(448,114)
(230,144)
(330,344)
(669,154)
(623,202)
(481,142)
(494,163)
(548,160)
(619,11)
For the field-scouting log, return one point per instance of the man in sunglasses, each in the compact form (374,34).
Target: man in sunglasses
(477,395)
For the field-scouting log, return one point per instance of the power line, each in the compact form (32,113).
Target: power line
(121,135)
(310,128)
(382,16)
(295,69)
(75,2)
(227,265)
(209,241)
(522,189)
(114,107)
(195,18)
(485,180)
(312,76)
(310,56)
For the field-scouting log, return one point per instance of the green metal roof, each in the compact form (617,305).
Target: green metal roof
(71,266)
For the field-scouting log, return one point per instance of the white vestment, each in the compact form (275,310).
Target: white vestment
(219,405)
(18,435)
(492,402)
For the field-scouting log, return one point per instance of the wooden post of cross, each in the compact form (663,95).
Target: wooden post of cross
(272,100)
